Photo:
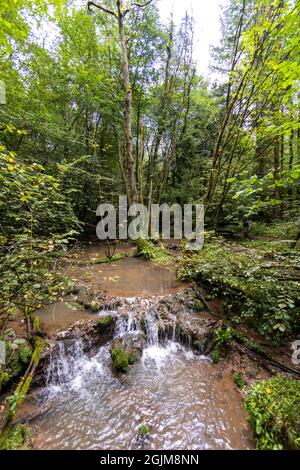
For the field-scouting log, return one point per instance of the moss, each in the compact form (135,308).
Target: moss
(37,326)
(14,438)
(143,431)
(117,257)
(113,259)
(39,344)
(105,321)
(132,358)
(94,306)
(198,305)
(23,388)
(120,360)
(274,409)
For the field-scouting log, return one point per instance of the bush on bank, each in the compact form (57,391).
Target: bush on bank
(274,409)
(262,291)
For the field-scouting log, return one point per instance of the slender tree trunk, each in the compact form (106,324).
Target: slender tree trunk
(291,159)
(128,105)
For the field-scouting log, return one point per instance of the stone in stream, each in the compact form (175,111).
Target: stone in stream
(127,350)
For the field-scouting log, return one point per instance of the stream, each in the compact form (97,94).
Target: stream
(185,401)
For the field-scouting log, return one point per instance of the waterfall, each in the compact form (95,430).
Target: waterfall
(151,325)
(69,366)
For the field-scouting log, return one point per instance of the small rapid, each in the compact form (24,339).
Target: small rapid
(181,397)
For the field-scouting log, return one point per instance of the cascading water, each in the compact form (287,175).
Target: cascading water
(176,394)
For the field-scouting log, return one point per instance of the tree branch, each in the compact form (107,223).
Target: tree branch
(141,5)
(92,4)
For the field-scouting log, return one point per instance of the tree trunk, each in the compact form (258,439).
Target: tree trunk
(128,105)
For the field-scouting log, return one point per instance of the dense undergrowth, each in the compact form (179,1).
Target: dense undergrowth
(274,409)
(37,223)
(15,438)
(149,251)
(261,287)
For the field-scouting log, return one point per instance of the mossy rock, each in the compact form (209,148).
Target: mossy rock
(143,431)
(105,321)
(198,305)
(120,360)
(123,355)
(94,307)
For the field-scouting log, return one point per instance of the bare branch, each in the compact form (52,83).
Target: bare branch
(141,5)
(92,4)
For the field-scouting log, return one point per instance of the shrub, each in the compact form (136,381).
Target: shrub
(249,286)
(274,409)
(14,438)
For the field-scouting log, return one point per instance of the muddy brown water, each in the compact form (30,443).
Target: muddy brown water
(184,400)
(60,316)
(129,277)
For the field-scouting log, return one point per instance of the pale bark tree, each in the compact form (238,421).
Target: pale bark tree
(122,9)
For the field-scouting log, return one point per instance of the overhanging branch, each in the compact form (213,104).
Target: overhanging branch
(141,5)
(92,4)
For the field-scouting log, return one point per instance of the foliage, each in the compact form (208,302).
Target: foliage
(238,380)
(145,249)
(14,438)
(223,337)
(18,354)
(274,407)
(149,251)
(31,202)
(198,305)
(215,356)
(250,286)
(37,223)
